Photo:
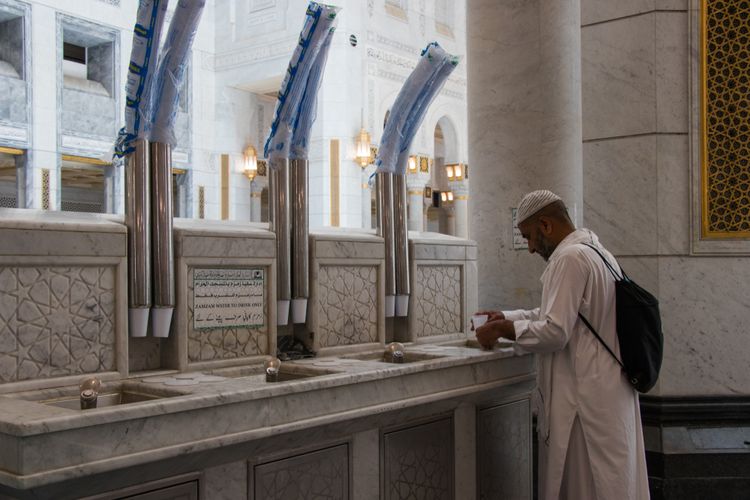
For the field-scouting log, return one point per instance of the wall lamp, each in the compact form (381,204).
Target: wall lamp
(363,148)
(455,171)
(250,157)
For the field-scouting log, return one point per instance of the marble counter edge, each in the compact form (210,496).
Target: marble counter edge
(210,395)
(99,466)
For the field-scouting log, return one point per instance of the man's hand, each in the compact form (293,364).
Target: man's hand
(491,315)
(488,333)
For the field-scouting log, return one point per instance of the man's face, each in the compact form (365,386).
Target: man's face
(538,243)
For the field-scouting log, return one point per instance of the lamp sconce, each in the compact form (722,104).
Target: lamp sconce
(250,157)
(412,164)
(446,196)
(455,171)
(363,156)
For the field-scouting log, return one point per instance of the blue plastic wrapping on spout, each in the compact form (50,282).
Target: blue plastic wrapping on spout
(141,70)
(308,107)
(171,70)
(411,105)
(319,20)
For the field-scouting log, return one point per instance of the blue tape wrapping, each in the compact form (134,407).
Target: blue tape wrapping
(171,71)
(143,59)
(319,18)
(410,107)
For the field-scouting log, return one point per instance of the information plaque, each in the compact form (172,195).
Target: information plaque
(228,298)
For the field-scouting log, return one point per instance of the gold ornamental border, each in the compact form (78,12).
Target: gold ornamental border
(705,233)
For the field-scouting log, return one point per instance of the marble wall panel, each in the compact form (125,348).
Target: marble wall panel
(671,66)
(418,462)
(349,249)
(319,474)
(643,270)
(704,315)
(88,114)
(673,194)
(63,243)
(213,344)
(597,11)
(56,321)
(13,100)
(618,90)
(437,300)
(347,305)
(216,246)
(226,482)
(620,193)
(439,252)
(144,354)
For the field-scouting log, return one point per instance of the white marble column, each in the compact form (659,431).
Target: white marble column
(256,189)
(524,84)
(367,188)
(415,184)
(43,154)
(460,207)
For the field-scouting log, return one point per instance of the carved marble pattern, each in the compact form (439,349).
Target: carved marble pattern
(224,343)
(438,300)
(347,305)
(505,451)
(418,462)
(56,321)
(319,475)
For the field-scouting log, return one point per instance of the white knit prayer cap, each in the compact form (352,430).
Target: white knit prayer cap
(533,202)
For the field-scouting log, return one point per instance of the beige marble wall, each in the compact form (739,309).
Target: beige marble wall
(524,131)
(638,175)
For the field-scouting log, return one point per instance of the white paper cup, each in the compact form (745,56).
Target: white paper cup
(478,320)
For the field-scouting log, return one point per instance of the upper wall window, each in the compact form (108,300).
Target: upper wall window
(88,61)
(397,8)
(11,45)
(445,12)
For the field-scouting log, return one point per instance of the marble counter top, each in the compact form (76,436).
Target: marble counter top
(23,218)
(43,444)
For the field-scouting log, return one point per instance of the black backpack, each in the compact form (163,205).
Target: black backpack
(638,330)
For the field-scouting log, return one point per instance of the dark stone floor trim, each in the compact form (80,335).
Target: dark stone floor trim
(694,410)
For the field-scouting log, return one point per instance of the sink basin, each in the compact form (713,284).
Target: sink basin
(286,373)
(409,357)
(111,395)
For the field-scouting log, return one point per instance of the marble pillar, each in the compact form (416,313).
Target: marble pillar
(256,190)
(524,113)
(43,154)
(460,190)
(367,188)
(415,184)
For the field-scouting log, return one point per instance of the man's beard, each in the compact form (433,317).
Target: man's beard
(546,247)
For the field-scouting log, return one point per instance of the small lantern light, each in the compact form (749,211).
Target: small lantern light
(363,148)
(251,162)
(412,164)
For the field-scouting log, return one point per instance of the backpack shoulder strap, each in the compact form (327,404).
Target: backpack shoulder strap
(614,273)
(586,322)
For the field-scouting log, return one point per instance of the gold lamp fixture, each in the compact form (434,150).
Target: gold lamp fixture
(412,164)
(250,157)
(446,196)
(455,171)
(363,148)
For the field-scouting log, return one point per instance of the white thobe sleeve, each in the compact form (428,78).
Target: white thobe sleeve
(563,287)
(519,314)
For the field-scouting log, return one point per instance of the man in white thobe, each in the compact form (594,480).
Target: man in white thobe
(590,435)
